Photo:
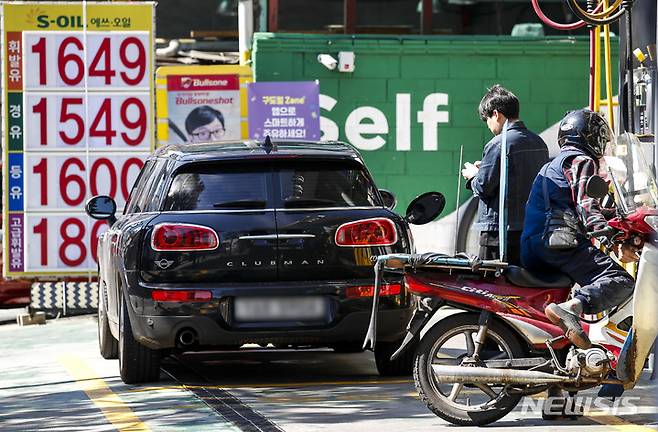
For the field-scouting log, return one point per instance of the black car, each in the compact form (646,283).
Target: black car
(231,243)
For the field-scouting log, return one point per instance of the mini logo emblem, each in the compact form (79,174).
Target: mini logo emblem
(164,264)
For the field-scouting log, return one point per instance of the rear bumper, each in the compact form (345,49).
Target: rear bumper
(159,332)
(157,324)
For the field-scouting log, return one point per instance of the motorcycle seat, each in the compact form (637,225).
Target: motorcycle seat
(523,277)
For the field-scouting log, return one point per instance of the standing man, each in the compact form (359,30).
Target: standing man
(527,153)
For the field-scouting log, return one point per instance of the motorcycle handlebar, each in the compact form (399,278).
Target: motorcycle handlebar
(607,231)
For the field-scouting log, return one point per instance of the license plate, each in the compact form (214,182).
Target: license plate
(279,308)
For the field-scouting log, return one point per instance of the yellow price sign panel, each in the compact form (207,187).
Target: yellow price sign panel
(77,109)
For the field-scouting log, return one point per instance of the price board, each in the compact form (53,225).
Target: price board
(78,121)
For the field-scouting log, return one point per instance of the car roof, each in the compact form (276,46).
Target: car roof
(251,149)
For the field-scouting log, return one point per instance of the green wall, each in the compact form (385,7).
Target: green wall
(549,75)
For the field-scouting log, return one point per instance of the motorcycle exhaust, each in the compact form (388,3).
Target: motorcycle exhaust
(476,375)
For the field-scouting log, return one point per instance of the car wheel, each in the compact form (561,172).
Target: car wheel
(401,366)
(137,363)
(107,343)
(348,347)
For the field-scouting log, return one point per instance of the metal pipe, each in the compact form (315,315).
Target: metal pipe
(476,375)
(597,69)
(459,189)
(245,29)
(349,16)
(608,73)
(630,103)
(592,60)
(502,196)
(426,17)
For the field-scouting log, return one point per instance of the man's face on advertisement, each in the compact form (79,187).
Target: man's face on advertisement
(209,132)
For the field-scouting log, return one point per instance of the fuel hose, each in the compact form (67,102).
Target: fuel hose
(594,18)
(549,22)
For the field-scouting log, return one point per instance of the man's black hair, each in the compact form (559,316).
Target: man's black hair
(500,99)
(200,116)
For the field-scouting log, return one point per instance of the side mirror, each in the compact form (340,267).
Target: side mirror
(389,199)
(596,187)
(102,207)
(425,208)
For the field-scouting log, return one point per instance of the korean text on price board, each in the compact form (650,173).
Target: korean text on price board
(77,107)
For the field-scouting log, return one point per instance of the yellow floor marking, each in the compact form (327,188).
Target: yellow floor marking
(617,423)
(113,408)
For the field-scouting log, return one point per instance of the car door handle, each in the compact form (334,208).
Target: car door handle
(276,236)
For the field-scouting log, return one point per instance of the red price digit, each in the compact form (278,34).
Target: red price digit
(39,49)
(42,169)
(75,240)
(65,179)
(41,108)
(41,229)
(94,175)
(124,175)
(138,64)
(104,112)
(94,238)
(103,53)
(65,115)
(64,59)
(139,124)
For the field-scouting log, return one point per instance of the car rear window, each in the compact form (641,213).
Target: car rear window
(318,185)
(300,184)
(219,188)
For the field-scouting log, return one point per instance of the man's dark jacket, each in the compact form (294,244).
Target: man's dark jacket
(527,154)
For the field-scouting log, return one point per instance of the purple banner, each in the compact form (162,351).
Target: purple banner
(284,110)
(16,247)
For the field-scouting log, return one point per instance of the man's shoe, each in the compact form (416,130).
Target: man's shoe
(570,325)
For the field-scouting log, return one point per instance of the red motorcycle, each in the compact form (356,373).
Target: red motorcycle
(491,343)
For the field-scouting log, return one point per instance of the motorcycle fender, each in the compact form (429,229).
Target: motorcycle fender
(419,319)
(645,327)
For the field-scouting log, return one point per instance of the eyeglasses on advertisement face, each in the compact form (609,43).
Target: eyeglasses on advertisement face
(207,134)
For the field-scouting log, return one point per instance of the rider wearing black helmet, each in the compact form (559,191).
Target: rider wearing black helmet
(559,214)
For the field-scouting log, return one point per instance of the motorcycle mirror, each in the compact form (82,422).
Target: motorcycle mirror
(425,208)
(596,187)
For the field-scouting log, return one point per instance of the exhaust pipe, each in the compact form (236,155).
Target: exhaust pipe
(476,375)
(187,337)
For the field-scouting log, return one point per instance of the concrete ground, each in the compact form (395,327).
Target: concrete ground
(53,378)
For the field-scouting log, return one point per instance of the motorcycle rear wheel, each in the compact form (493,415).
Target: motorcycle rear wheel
(443,399)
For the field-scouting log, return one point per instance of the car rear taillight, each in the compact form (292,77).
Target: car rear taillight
(183,237)
(367,232)
(181,295)
(368,290)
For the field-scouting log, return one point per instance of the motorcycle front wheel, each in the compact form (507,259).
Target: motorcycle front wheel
(448,343)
